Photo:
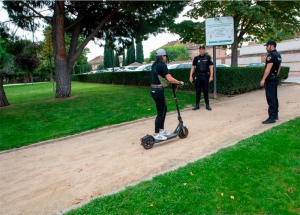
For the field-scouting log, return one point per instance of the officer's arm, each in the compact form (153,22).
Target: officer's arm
(191,73)
(211,69)
(267,71)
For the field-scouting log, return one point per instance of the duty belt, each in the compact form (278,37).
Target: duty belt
(272,76)
(202,73)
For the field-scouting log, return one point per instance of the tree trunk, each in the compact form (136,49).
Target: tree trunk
(25,79)
(63,76)
(234,50)
(31,77)
(63,80)
(3,99)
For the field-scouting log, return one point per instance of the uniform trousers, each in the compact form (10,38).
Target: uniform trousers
(272,97)
(202,81)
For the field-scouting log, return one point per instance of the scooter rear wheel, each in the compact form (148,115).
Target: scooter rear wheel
(183,133)
(148,143)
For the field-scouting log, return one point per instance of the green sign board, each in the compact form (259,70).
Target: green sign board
(219,31)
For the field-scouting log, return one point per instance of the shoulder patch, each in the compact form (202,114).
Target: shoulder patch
(268,58)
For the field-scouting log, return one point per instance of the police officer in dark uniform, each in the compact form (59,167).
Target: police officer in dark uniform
(270,80)
(203,67)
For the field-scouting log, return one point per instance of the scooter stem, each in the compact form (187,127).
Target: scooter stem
(174,88)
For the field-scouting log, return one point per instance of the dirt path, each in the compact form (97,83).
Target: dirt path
(51,177)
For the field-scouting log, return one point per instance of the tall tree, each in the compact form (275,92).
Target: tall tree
(116,61)
(27,64)
(139,53)
(133,57)
(107,57)
(25,58)
(118,21)
(130,55)
(254,20)
(4,57)
(47,55)
(124,61)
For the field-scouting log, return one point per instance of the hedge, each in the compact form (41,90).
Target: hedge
(230,80)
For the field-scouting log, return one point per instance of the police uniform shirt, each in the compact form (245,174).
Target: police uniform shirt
(275,58)
(206,58)
(161,69)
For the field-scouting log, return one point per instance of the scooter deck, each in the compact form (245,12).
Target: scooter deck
(172,135)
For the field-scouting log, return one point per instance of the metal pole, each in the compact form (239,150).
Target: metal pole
(215,70)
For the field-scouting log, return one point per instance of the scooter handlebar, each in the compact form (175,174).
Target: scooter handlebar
(178,85)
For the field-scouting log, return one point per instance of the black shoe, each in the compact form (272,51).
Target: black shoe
(276,117)
(196,107)
(208,108)
(269,121)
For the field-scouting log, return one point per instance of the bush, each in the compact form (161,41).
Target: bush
(230,80)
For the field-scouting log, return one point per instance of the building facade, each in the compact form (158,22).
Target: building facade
(256,53)
(96,62)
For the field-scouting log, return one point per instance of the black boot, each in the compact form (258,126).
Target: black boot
(196,107)
(208,107)
(276,117)
(269,120)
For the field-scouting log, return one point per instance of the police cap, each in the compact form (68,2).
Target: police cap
(201,46)
(271,42)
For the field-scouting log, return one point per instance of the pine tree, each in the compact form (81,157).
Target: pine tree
(107,57)
(130,55)
(133,54)
(116,61)
(124,62)
(139,53)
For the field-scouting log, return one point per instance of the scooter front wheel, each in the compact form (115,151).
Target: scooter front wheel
(183,133)
(148,143)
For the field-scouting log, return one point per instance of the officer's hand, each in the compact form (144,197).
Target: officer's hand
(211,79)
(262,83)
(191,79)
(181,83)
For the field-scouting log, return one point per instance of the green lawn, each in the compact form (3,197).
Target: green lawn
(34,115)
(259,175)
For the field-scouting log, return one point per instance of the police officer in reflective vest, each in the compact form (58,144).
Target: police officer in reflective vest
(270,80)
(203,67)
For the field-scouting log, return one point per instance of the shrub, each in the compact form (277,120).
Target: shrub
(230,80)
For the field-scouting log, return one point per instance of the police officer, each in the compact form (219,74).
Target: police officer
(270,80)
(203,67)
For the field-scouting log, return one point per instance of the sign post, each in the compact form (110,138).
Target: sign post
(218,32)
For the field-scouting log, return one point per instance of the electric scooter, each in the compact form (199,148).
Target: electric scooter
(148,141)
